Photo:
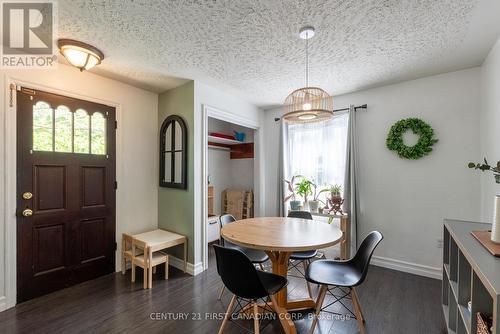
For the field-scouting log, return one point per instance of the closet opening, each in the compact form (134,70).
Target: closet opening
(230,167)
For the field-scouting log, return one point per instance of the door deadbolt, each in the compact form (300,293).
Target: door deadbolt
(27,195)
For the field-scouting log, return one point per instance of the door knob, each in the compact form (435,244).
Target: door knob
(27,195)
(27,212)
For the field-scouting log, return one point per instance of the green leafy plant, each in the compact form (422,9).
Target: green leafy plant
(425,142)
(335,190)
(304,188)
(486,167)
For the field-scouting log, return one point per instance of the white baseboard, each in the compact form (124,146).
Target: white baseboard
(173,261)
(407,267)
(3,303)
(179,264)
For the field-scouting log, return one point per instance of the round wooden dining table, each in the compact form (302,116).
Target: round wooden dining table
(279,237)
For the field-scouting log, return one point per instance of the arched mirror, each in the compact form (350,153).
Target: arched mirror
(173,155)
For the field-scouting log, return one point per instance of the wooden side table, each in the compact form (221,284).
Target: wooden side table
(161,239)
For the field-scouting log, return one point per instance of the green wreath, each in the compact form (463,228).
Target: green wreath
(423,147)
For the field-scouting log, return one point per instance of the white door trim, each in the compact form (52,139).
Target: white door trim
(10,177)
(213,112)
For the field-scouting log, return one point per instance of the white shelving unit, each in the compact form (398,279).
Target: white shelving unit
(470,273)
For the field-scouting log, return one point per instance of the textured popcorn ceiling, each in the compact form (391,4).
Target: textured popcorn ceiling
(251,47)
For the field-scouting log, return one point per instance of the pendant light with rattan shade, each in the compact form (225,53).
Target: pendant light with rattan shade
(308,104)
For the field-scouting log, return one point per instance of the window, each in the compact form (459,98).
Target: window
(63,135)
(317,151)
(173,157)
(65,131)
(97,142)
(82,132)
(42,127)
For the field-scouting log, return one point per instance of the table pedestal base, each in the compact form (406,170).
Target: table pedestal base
(280,300)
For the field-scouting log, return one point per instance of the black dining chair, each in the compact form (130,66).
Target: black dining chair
(257,257)
(245,282)
(343,274)
(304,257)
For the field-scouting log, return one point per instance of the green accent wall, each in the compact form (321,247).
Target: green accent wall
(175,206)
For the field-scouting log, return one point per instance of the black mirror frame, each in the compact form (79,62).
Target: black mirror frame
(183,184)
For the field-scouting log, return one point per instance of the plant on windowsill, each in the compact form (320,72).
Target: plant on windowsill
(294,203)
(314,203)
(304,188)
(335,201)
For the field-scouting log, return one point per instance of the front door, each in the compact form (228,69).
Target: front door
(65,192)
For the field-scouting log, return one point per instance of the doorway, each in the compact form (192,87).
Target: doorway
(65,191)
(247,161)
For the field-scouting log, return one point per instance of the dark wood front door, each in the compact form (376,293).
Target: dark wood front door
(65,192)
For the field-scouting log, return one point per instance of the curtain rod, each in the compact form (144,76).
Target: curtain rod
(363,106)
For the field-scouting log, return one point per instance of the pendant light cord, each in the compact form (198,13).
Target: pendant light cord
(307,59)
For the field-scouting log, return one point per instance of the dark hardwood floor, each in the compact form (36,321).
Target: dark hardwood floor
(392,301)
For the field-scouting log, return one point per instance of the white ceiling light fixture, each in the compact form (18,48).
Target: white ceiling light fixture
(308,104)
(81,55)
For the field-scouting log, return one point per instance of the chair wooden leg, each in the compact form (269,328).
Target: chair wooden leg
(283,317)
(221,292)
(357,309)
(145,275)
(307,282)
(319,304)
(185,256)
(228,314)
(124,264)
(256,318)
(359,304)
(150,277)
(133,272)
(261,267)
(166,269)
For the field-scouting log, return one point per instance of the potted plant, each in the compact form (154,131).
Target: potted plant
(487,167)
(294,203)
(314,203)
(335,201)
(495,227)
(335,190)
(304,189)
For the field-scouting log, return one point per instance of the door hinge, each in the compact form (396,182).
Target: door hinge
(116,246)
(12,88)
(116,185)
(116,125)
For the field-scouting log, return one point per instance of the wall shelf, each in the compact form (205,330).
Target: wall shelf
(239,150)
(470,273)
(222,148)
(226,141)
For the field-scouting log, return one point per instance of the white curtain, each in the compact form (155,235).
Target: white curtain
(317,151)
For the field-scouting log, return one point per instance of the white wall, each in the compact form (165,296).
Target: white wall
(137,154)
(225,172)
(490,127)
(219,169)
(407,200)
(236,108)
